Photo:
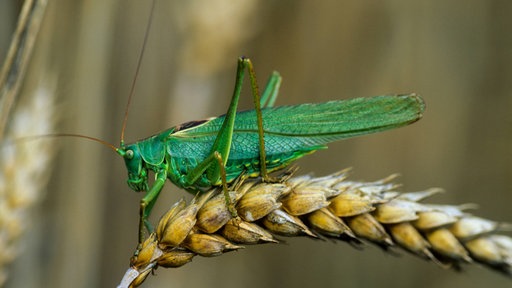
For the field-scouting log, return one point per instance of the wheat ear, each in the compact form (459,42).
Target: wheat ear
(322,207)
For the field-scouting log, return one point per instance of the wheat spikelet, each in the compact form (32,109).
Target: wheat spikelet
(23,172)
(322,207)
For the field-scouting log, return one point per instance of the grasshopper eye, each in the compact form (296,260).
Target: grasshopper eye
(129,154)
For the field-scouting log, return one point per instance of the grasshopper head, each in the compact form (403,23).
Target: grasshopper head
(137,172)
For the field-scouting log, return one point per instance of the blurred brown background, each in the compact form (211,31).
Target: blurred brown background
(456,54)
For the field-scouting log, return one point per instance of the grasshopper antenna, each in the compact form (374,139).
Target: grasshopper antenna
(132,90)
(119,150)
(55,135)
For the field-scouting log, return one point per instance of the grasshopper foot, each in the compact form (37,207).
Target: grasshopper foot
(284,176)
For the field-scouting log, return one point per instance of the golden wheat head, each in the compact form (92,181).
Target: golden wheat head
(322,207)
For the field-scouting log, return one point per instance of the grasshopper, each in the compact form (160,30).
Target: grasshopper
(200,155)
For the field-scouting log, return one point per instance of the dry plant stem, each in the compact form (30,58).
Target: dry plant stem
(322,207)
(23,169)
(18,56)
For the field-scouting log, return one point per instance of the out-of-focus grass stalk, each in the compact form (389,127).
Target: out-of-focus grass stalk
(23,165)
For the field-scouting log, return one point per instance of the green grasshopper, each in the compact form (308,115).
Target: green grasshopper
(199,155)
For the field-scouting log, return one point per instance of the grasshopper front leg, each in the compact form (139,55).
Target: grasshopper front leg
(147,203)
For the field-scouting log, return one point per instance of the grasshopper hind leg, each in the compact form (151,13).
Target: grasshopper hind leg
(268,99)
(214,164)
(269,95)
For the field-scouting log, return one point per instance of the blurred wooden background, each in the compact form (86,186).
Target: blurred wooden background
(456,54)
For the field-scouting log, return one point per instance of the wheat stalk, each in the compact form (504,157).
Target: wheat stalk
(322,207)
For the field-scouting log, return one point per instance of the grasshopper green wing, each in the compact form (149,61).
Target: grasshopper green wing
(301,128)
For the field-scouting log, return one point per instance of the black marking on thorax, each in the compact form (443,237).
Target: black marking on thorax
(190,124)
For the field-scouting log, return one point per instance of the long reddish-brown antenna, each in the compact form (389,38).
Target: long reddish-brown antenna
(132,90)
(53,135)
